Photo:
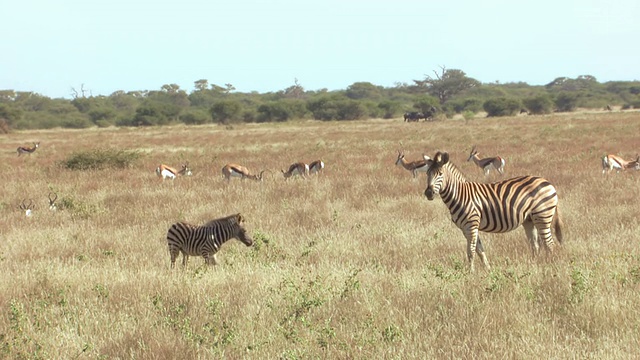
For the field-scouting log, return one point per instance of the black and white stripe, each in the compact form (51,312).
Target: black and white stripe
(497,207)
(206,240)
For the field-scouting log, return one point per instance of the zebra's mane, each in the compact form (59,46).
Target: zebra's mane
(455,172)
(234,219)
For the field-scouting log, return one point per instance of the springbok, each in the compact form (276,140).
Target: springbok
(239,171)
(316,167)
(28,150)
(610,162)
(52,201)
(165,171)
(27,207)
(413,166)
(487,163)
(298,168)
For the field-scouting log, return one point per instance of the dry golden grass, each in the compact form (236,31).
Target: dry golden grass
(352,264)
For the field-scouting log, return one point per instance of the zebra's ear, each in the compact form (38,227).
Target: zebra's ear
(441,158)
(240,218)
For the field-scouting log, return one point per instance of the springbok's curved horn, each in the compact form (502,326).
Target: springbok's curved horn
(55,197)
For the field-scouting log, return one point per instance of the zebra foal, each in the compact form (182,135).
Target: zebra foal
(205,240)
(495,208)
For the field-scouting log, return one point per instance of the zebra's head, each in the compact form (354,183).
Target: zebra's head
(243,236)
(435,174)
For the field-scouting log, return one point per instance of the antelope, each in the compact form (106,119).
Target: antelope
(487,163)
(610,162)
(27,207)
(52,201)
(298,168)
(316,167)
(28,150)
(413,166)
(239,171)
(165,171)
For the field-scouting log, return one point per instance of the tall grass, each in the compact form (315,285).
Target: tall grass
(354,263)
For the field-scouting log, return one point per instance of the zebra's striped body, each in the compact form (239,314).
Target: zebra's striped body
(495,208)
(206,240)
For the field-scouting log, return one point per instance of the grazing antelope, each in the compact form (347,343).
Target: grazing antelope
(316,167)
(52,201)
(28,150)
(298,168)
(413,166)
(497,207)
(487,163)
(239,171)
(610,162)
(27,207)
(165,171)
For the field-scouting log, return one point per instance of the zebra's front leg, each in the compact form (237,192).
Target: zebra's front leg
(474,245)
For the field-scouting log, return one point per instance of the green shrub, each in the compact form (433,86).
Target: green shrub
(541,104)
(502,107)
(566,101)
(98,159)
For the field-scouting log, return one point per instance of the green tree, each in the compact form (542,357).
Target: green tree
(363,90)
(447,84)
(226,111)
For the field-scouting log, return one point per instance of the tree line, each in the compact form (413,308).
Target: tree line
(450,91)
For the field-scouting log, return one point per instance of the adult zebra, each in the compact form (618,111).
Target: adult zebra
(495,208)
(205,240)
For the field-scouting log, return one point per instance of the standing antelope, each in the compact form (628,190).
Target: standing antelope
(497,207)
(27,207)
(610,162)
(413,166)
(298,168)
(239,171)
(52,201)
(165,171)
(28,150)
(316,167)
(487,163)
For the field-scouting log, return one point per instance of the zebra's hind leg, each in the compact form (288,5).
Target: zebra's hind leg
(185,258)
(532,236)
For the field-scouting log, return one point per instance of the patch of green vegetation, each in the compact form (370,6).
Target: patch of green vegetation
(99,159)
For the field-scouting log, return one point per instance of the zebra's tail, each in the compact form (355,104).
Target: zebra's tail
(558,225)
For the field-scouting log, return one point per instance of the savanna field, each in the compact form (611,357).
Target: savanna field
(354,263)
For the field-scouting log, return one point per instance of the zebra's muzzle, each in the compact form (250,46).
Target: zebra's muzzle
(429,193)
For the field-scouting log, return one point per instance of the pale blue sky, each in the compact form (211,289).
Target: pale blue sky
(48,47)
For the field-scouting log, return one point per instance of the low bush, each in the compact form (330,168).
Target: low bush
(98,159)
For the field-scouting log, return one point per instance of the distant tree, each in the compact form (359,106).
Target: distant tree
(225,111)
(295,91)
(201,85)
(363,90)
(447,83)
